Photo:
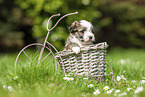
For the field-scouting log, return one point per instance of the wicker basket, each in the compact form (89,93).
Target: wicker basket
(90,62)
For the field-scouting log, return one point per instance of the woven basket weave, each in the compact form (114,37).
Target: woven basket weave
(90,62)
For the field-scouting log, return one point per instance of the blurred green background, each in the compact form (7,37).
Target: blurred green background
(119,22)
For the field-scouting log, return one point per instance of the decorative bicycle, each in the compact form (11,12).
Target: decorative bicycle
(45,46)
(90,62)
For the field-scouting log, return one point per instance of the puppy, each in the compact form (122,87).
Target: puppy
(81,35)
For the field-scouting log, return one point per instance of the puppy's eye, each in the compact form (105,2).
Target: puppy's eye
(82,31)
(81,36)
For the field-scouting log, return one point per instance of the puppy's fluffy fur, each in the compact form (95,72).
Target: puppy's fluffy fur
(81,34)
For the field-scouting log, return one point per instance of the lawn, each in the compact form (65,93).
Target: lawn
(30,80)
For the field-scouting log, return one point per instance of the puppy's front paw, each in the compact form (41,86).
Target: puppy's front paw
(76,49)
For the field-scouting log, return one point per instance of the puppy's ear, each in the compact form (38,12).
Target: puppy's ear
(73,27)
(93,30)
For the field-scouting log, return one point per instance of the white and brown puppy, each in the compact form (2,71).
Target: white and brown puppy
(81,35)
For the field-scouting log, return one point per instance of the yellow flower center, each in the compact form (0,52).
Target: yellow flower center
(97,92)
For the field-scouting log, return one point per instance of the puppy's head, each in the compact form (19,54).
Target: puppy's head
(83,30)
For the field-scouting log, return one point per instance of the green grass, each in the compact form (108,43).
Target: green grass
(42,81)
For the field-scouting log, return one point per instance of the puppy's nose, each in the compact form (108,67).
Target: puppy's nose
(90,37)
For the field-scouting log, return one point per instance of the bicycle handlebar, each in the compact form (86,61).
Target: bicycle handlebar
(50,18)
(58,20)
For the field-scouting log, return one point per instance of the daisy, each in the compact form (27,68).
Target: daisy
(10,88)
(110,91)
(90,85)
(85,78)
(142,82)
(115,94)
(128,89)
(123,61)
(121,76)
(4,86)
(118,78)
(67,75)
(106,88)
(124,78)
(96,92)
(15,77)
(122,94)
(138,90)
(124,71)
(70,79)
(133,81)
(117,91)
(66,78)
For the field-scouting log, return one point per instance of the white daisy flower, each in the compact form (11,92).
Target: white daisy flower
(66,78)
(133,81)
(122,94)
(109,92)
(121,76)
(85,78)
(143,77)
(124,71)
(70,79)
(123,61)
(106,88)
(128,89)
(90,85)
(16,78)
(67,75)
(96,92)
(112,89)
(4,86)
(117,91)
(138,90)
(142,82)
(118,78)
(124,78)
(134,95)
(10,88)
(115,94)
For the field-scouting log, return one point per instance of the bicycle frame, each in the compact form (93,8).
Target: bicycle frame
(44,44)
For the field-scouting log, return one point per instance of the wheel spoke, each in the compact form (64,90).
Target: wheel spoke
(27,55)
(46,56)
